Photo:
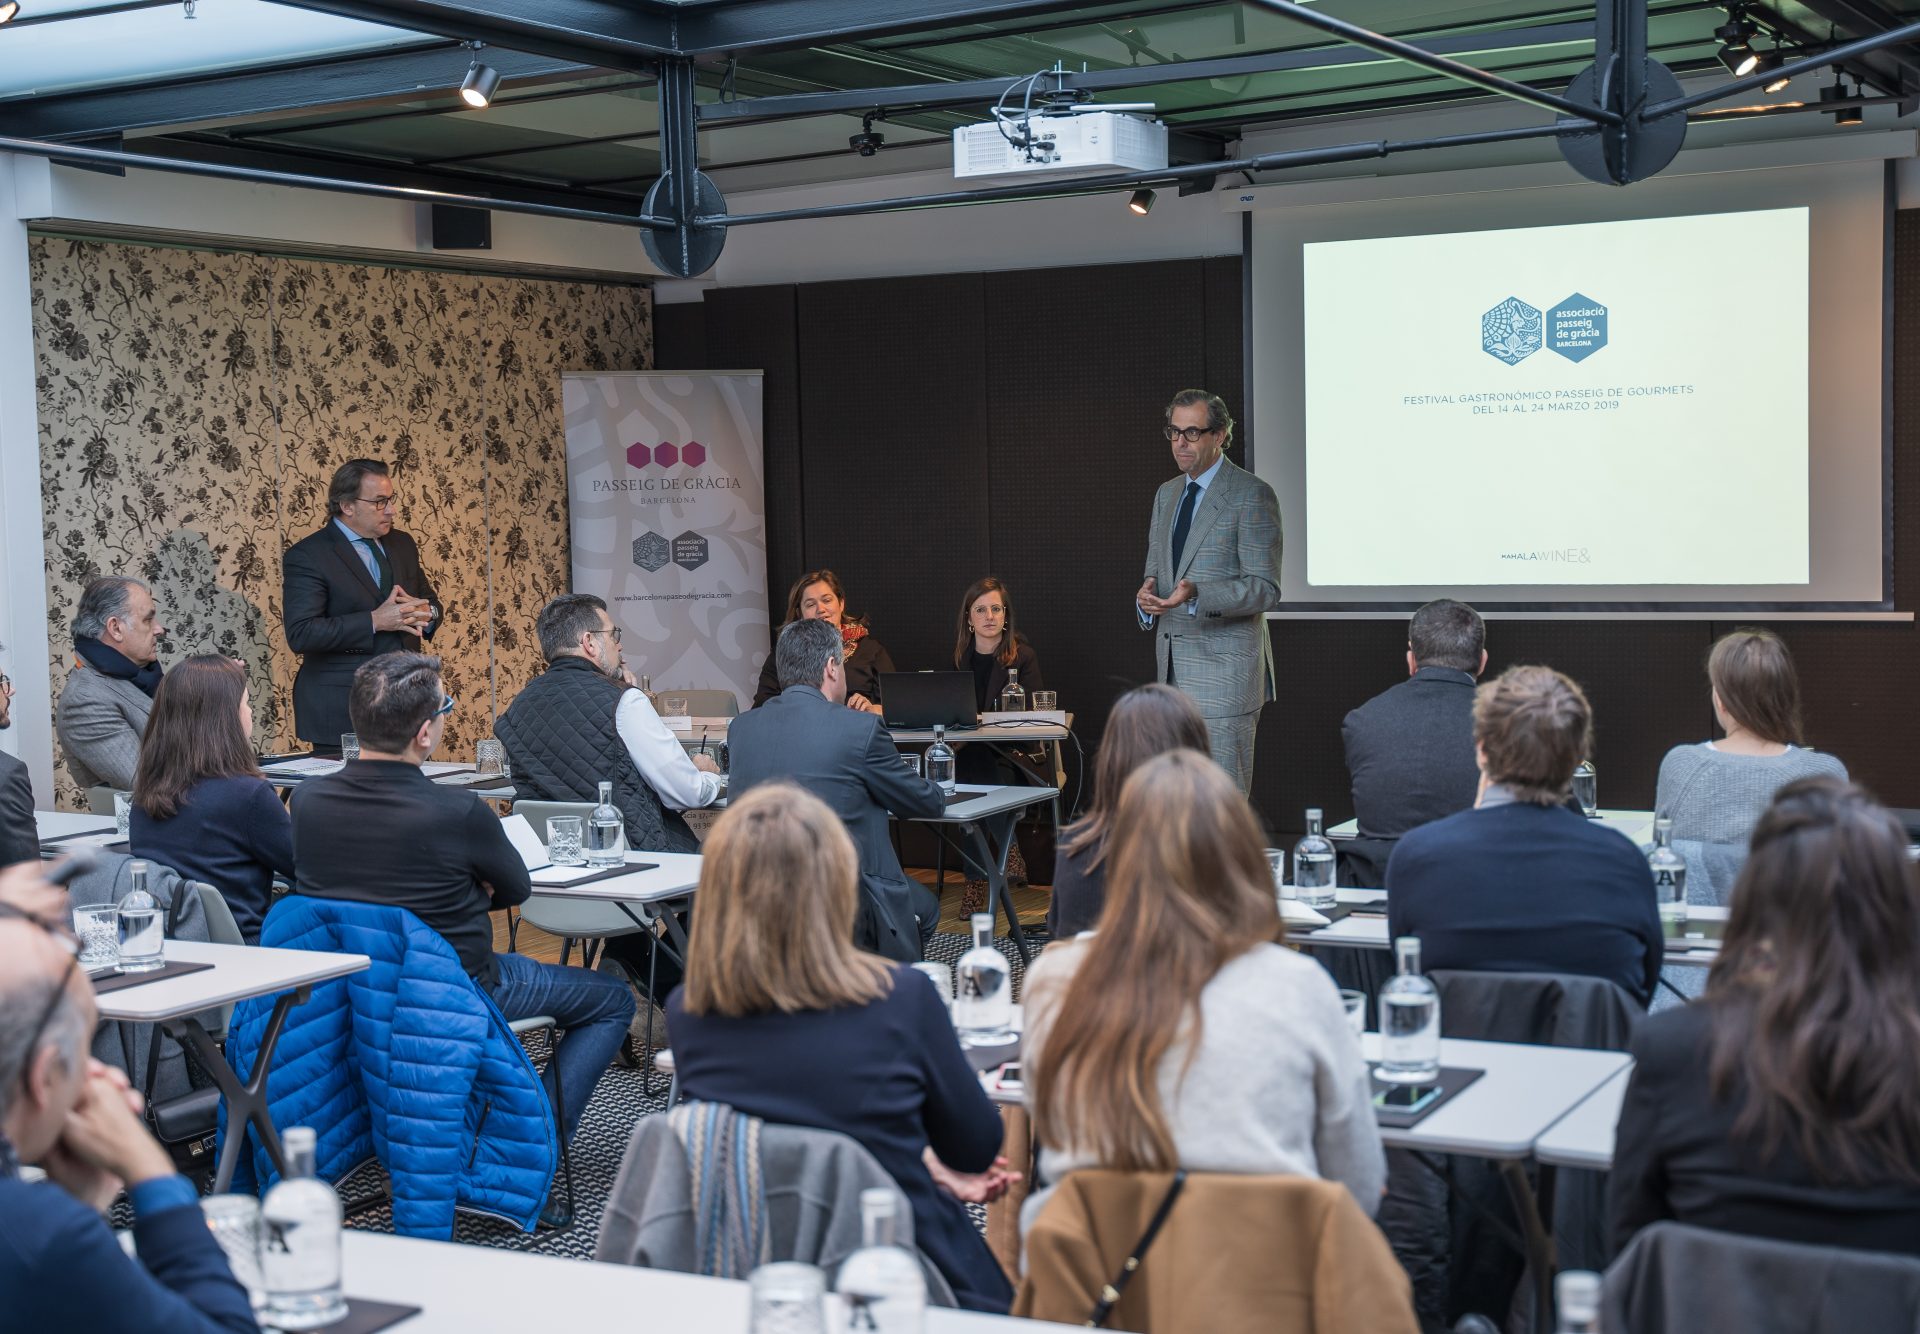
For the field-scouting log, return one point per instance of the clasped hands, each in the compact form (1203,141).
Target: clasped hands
(104,1143)
(401,612)
(1152,605)
(971,1187)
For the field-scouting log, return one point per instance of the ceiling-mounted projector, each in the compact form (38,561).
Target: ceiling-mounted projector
(1087,141)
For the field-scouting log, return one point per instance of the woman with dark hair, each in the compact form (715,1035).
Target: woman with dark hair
(200,802)
(1785,1103)
(818,595)
(1714,791)
(1184,1033)
(988,645)
(1145,722)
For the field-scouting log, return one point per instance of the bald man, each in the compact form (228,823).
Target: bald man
(77,1119)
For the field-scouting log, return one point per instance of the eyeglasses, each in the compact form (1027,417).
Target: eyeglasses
(615,632)
(379,502)
(446,707)
(6,682)
(1191,434)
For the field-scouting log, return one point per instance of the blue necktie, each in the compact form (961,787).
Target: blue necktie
(1181,523)
(381,577)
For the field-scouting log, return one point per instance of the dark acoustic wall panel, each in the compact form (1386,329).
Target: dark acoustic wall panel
(755,328)
(893,412)
(680,337)
(1225,337)
(1078,376)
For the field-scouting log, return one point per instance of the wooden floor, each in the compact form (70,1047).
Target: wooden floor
(1030,901)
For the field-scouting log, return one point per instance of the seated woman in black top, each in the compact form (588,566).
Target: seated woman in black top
(1145,722)
(988,645)
(1785,1103)
(200,802)
(818,595)
(782,1018)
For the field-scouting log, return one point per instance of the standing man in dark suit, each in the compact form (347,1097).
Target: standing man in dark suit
(1212,575)
(349,592)
(19,832)
(1410,748)
(845,757)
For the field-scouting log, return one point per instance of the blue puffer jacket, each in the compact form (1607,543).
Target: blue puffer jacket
(408,1061)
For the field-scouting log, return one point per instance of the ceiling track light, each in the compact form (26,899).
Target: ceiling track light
(1141,202)
(1772,60)
(482,81)
(9,9)
(1837,92)
(1736,42)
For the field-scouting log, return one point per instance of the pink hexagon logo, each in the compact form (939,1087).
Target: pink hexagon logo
(638,456)
(694,454)
(666,455)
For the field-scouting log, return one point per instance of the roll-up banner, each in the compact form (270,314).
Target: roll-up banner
(668,508)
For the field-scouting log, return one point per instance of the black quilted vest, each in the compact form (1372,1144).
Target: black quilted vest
(562,743)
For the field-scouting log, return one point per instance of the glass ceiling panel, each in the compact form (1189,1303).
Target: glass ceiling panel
(145,44)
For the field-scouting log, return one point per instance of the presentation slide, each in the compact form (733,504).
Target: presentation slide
(1557,405)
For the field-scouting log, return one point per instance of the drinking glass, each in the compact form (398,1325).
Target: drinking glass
(787,1299)
(122,813)
(911,758)
(1277,864)
(1356,1007)
(98,930)
(673,706)
(563,840)
(234,1221)
(349,746)
(941,974)
(490,757)
(1045,701)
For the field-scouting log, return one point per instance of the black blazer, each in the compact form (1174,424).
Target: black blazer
(864,665)
(847,759)
(1675,1156)
(327,600)
(1025,661)
(19,834)
(1410,751)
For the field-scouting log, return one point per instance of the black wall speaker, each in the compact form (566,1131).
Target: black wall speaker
(461,228)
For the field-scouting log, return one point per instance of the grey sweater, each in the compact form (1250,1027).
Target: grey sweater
(1277,1086)
(1715,798)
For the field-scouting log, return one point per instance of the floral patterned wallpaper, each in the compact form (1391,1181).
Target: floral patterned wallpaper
(193,406)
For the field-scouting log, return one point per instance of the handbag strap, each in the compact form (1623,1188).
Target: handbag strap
(1110,1294)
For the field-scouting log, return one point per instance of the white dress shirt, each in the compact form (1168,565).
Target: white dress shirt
(659,756)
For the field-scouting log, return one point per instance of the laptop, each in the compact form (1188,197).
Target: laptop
(928,699)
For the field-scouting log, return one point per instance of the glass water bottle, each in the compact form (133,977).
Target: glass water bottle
(300,1242)
(1409,1021)
(1313,865)
(143,929)
(603,832)
(983,990)
(1014,698)
(939,761)
(1669,877)
(882,1282)
(1577,1293)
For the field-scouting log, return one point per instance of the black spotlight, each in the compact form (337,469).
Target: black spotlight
(9,9)
(1736,44)
(1835,92)
(1772,60)
(1142,202)
(869,141)
(482,81)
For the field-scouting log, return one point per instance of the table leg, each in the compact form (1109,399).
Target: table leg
(988,856)
(246,1102)
(1539,1238)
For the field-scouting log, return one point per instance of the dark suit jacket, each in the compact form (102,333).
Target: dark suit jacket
(847,759)
(19,835)
(1676,1157)
(327,599)
(1410,751)
(864,665)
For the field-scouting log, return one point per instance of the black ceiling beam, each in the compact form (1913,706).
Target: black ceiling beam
(983,92)
(1906,32)
(1866,18)
(770,25)
(30,19)
(586,32)
(246,94)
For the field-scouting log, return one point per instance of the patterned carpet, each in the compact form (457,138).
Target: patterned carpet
(619,1101)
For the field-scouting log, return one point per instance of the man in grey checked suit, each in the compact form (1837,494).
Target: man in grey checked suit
(1213,572)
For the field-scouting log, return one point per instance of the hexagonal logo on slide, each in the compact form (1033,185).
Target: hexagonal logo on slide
(690,551)
(1577,327)
(1511,331)
(651,552)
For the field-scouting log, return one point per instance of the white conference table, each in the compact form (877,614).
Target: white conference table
(1584,1136)
(1636,825)
(481,1290)
(239,972)
(72,827)
(984,831)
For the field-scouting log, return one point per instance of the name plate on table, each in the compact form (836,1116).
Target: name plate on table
(112,979)
(678,722)
(566,877)
(1696,933)
(1043,717)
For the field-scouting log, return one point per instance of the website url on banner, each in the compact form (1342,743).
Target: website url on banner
(671,597)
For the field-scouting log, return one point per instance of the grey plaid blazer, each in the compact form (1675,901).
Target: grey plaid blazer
(1221,654)
(100,720)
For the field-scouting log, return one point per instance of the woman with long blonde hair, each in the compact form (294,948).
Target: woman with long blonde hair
(782,1018)
(1183,1033)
